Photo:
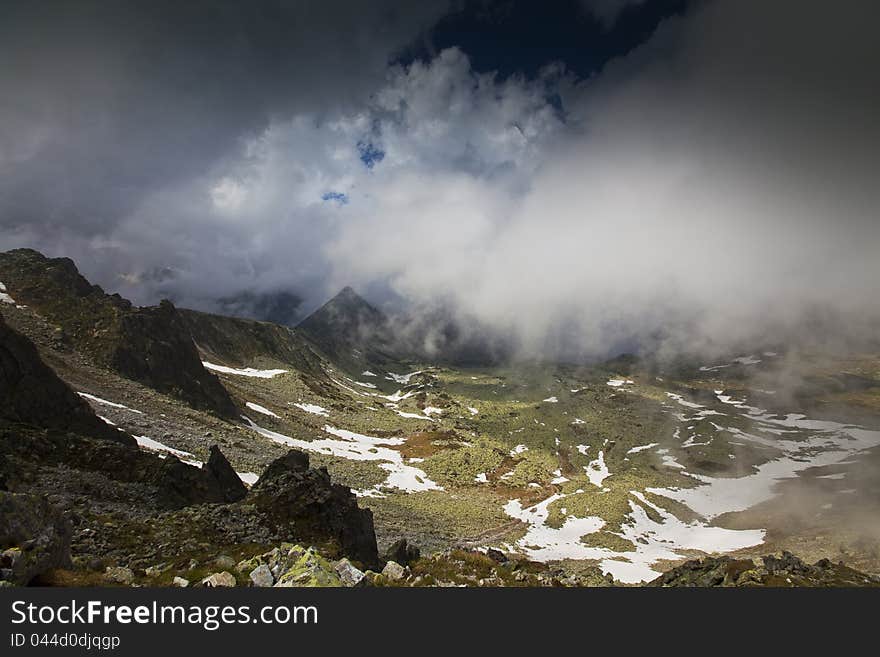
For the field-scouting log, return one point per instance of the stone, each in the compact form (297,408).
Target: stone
(119,575)
(349,575)
(310,570)
(394,571)
(223,579)
(231,485)
(180,582)
(402,552)
(496,555)
(37,535)
(294,497)
(224,562)
(262,577)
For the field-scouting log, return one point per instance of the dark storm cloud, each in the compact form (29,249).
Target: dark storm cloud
(715,184)
(101,103)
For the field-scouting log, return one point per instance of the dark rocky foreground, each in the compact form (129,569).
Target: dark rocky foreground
(75,491)
(780,570)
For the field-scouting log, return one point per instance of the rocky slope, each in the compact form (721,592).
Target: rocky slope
(31,393)
(150,345)
(77,490)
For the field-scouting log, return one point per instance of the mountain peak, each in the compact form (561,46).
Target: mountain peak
(346,321)
(348,294)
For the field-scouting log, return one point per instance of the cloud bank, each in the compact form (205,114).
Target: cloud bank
(716,185)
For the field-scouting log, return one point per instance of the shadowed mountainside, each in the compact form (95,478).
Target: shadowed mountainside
(150,345)
(31,393)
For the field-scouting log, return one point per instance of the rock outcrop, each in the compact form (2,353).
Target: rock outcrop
(219,467)
(291,494)
(34,538)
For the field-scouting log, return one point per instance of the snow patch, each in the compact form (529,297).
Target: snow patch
(260,409)
(4,296)
(402,378)
(98,400)
(247,371)
(597,471)
(314,409)
(641,448)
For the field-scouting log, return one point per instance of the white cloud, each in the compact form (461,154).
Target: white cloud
(228,195)
(688,188)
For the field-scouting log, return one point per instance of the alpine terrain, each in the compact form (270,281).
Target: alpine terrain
(163,446)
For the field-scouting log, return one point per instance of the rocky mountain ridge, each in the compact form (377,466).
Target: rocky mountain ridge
(150,345)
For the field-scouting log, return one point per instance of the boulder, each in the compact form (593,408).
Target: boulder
(309,570)
(119,575)
(402,552)
(180,582)
(224,562)
(394,571)
(180,484)
(303,501)
(218,466)
(497,555)
(224,579)
(34,537)
(261,576)
(349,575)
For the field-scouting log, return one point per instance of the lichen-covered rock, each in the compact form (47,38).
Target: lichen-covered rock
(224,562)
(309,570)
(119,575)
(34,537)
(305,502)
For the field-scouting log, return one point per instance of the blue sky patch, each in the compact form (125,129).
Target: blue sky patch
(339,197)
(370,154)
